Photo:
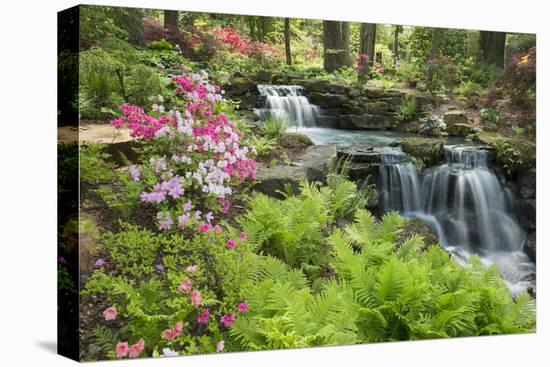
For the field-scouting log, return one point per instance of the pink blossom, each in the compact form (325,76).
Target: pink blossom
(134,173)
(192,268)
(198,215)
(196,298)
(99,263)
(205,227)
(121,349)
(136,349)
(182,220)
(227,320)
(187,206)
(231,244)
(219,346)
(243,307)
(110,313)
(185,285)
(203,316)
(174,332)
(218,229)
(242,236)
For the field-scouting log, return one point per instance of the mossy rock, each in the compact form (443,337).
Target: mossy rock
(460,129)
(429,151)
(455,117)
(512,154)
(295,140)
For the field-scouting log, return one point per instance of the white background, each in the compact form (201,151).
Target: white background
(28,181)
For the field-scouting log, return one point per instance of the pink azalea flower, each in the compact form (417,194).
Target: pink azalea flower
(196,298)
(204,227)
(110,313)
(121,349)
(185,285)
(174,332)
(231,243)
(192,268)
(227,320)
(243,307)
(99,263)
(136,349)
(203,316)
(219,346)
(242,236)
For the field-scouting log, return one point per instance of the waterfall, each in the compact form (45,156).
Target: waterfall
(466,204)
(290,102)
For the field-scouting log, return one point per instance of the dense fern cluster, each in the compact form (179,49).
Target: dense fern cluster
(381,292)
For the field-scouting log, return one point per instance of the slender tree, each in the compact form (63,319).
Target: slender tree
(396,30)
(366,48)
(287,42)
(171,20)
(336,45)
(492,47)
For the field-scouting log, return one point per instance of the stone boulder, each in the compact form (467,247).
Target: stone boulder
(455,117)
(312,166)
(530,247)
(328,100)
(527,183)
(240,85)
(295,140)
(527,214)
(430,151)
(365,122)
(314,86)
(416,226)
(460,129)
(360,155)
(377,107)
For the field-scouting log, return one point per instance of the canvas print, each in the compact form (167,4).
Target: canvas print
(233,183)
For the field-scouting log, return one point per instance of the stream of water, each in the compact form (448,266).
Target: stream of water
(463,200)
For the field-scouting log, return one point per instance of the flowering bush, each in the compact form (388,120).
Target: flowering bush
(185,297)
(196,152)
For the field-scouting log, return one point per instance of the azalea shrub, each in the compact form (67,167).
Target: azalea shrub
(195,157)
(169,294)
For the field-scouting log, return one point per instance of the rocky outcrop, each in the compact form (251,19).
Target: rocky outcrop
(295,140)
(312,166)
(416,226)
(460,129)
(364,122)
(429,151)
(455,117)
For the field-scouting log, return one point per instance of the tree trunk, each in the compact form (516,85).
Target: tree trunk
(367,42)
(171,20)
(492,47)
(336,45)
(396,30)
(287,42)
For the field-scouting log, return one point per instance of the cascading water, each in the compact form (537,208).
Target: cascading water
(466,204)
(290,102)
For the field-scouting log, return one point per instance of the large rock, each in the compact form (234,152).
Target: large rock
(328,100)
(460,129)
(312,166)
(295,140)
(430,151)
(527,214)
(365,122)
(382,93)
(455,117)
(360,155)
(240,85)
(377,107)
(530,247)
(314,86)
(416,226)
(527,183)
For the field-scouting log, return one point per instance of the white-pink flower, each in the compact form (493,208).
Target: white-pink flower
(110,313)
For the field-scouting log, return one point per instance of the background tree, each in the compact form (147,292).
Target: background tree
(492,46)
(336,45)
(397,29)
(287,42)
(171,20)
(366,47)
